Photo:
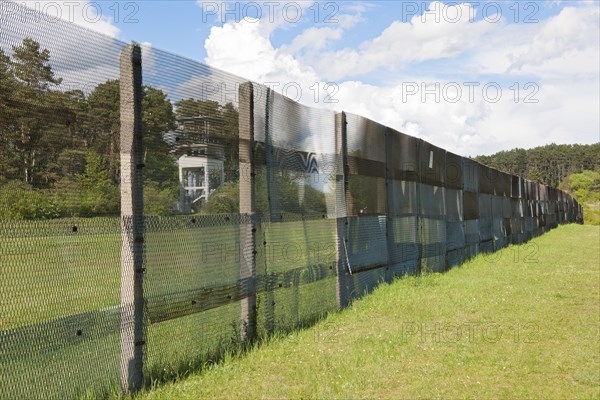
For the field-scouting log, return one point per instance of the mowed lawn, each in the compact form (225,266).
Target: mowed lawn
(521,323)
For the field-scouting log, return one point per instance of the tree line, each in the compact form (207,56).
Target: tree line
(550,164)
(59,149)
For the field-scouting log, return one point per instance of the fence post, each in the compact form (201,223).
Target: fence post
(391,212)
(132,223)
(274,212)
(247,230)
(342,295)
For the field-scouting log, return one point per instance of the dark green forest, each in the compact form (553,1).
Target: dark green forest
(59,150)
(550,164)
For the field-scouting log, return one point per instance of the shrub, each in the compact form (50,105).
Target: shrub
(19,200)
(158,201)
(224,200)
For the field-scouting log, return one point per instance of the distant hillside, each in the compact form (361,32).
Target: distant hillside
(549,164)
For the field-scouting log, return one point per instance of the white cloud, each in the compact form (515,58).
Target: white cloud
(448,30)
(314,39)
(560,55)
(96,16)
(566,113)
(308,47)
(357,7)
(565,46)
(572,33)
(244,49)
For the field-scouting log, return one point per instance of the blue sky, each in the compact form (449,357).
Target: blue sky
(473,77)
(182,26)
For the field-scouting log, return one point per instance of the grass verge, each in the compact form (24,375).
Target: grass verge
(520,323)
(591,213)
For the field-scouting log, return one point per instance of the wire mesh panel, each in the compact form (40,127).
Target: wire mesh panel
(516,224)
(528,210)
(498,226)
(516,201)
(366,232)
(432,201)
(486,189)
(195,237)
(497,221)
(486,235)
(404,246)
(543,207)
(487,179)
(560,207)
(552,207)
(497,198)
(59,208)
(455,233)
(564,208)
(192,289)
(470,172)
(507,216)
(501,210)
(536,208)
(298,212)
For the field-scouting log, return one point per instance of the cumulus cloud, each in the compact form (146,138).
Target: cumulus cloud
(440,33)
(563,44)
(314,39)
(559,57)
(244,49)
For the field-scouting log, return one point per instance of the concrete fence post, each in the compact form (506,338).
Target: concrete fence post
(247,198)
(132,222)
(342,279)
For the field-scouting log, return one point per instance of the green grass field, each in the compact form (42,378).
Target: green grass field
(520,323)
(591,212)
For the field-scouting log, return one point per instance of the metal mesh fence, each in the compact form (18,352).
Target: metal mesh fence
(157,212)
(60,234)
(295,158)
(403,221)
(365,241)
(455,226)
(195,237)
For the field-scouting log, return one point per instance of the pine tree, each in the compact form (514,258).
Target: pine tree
(8,160)
(32,111)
